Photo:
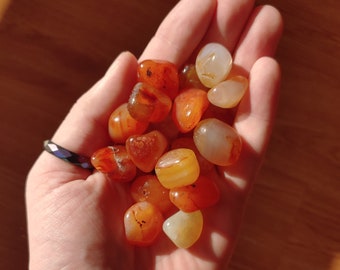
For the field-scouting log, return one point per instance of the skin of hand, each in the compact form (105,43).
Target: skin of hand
(75,217)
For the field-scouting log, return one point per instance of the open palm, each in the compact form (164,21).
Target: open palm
(75,218)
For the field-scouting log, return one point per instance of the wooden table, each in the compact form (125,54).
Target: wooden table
(52,51)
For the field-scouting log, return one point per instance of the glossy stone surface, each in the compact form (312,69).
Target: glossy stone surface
(115,162)
(188,108)
(199,195)
(142,223)
(148,188)
(146,149)
(148,104)
(217,141)
(228,93)
(178,167)
(184,229)
(188,78)
(213,64)
(162,75)
(122,125)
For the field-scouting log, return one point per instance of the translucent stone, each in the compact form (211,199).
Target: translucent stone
(143,223)
(146,149)
(184,229)
(199,195)
(122,125)
(188,78)
(148,104)
(188,108)
(148,188)
(213,64)
(228,93)
(115,162)
(178,167)
(217,141)
(162,75)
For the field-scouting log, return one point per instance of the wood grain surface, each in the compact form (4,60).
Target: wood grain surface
(52,51)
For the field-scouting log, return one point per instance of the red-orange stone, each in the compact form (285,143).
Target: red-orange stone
(188,108)
(148,188)
(115,162)
(146,149)
(142,222)
(201,194)
(162,75)
(122,125)
(148,104)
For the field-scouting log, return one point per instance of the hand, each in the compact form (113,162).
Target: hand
(75,218)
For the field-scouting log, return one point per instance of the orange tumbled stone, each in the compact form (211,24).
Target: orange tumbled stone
(115,162)
(146,149)
(142,223)
(177,167)
(188,108)
(148,188)
(162,75)
(122,125)
(201,194)
(148,104)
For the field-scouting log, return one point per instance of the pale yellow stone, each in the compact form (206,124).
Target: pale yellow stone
(217,141)
(228,93)
(213,64)
(184,229)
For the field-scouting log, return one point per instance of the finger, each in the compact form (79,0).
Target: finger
(255,122)
(259,38)
(255,114)
(181,31)
(228,22)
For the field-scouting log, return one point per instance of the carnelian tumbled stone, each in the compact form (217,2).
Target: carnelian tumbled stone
(217,141)
(122,125)
(228,93)
(188,78)
(213,64)
(184,229)
(148,104)
(178,167)
(146,149)
(188,108)
(162,75)
(201,194)
(148,188)
(143,223)
(115,162)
